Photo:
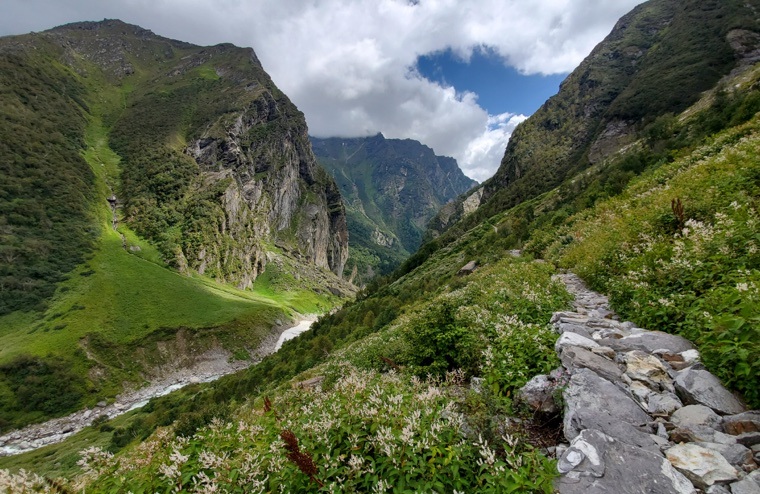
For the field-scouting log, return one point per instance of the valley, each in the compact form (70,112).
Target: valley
(586,320)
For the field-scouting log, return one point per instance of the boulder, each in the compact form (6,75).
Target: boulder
(749,439)
(699,387)
(696,415)
(650,341)
(647,368)
(702,466)
(639,390)
(736,454)
(605,351)
(468,268)
(742,422)
(590,398)
(575,357)
(574,339)
(746,486)
(596,463)
(718,489)
(538,394)
(663,404)
(700,433)
(573,328)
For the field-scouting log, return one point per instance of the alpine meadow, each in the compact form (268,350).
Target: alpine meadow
(587,320)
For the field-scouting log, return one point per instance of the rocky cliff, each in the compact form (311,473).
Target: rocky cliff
(658,60)
(216,163)
(392,187)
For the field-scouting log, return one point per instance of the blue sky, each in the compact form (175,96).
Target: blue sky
(349,64)
(500,88)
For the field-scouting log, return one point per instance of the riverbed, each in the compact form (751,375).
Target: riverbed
(208,367)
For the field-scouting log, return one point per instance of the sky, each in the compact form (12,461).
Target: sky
(457,75)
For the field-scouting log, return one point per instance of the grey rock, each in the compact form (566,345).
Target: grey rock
(742,422)
(702,466)
(573,328)
(746,486)
(646,368)
(573,339)
(696,415)
(596,463)
(699,387)
(639,390)
(588,395)
(736,454)
(650,341)
(664,404)
(748,439)
(700,433)
(718,489)
(538,394)
(690,356)
(605,351)
(574,357)
(754,476)
(607,334)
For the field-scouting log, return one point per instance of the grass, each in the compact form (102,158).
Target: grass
(122,301)
(60,460)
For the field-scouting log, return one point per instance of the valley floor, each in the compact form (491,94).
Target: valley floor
(208,367)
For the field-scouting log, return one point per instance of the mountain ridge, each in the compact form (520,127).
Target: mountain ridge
(391,187)
(160,200)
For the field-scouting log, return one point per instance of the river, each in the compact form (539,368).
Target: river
(209,367)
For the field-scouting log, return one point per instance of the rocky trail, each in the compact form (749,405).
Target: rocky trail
(641,413)
(208,367)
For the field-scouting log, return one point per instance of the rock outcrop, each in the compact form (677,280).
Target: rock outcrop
(641,414)
(216,161)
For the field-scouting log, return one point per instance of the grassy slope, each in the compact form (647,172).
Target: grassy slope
(119,301)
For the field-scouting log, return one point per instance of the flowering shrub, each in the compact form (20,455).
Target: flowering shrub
(371,432)
(697,275)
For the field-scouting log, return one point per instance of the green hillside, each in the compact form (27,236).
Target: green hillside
(411,387)
(93,294)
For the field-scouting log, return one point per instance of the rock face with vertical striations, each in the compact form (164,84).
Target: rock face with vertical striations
(216,162)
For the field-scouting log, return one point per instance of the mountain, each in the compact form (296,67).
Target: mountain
(658,60)
(415,385)
(125,159)
(391,188)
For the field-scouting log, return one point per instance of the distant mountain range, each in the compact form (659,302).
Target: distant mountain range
(391,189)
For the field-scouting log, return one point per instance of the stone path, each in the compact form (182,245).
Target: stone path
(641,413)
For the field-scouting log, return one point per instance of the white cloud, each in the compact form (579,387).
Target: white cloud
(346,63)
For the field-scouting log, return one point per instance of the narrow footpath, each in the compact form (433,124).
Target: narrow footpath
(641,413)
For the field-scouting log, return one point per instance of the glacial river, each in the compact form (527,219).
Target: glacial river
(211,366)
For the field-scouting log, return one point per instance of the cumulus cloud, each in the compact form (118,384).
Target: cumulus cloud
(349,64)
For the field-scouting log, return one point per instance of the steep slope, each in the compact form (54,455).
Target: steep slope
(355,393)
(125,159)
(391,188)
(657,60)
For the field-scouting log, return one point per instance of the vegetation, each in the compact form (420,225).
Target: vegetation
(423,429)
(678,251)
(46,188)
(391,188)
(87,301)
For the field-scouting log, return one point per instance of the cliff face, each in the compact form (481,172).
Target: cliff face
(276,189)
(216,163)
(657,60)
(392,187)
